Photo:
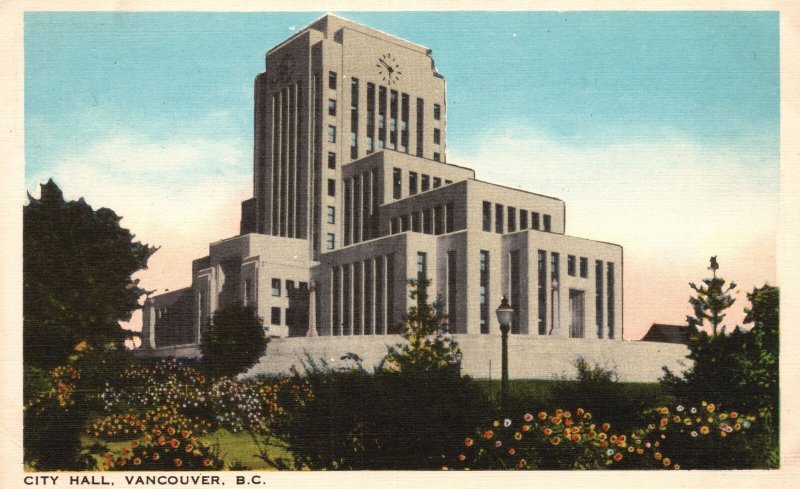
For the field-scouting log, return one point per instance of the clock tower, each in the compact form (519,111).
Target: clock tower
(332,94)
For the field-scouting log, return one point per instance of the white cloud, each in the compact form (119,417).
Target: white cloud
(670,201)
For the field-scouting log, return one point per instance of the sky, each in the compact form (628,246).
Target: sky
(660,130)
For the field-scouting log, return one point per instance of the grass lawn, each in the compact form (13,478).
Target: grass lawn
(237,449)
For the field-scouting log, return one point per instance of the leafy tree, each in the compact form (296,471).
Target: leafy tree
(711,300)
(427,346)
(77,268)
(234,341)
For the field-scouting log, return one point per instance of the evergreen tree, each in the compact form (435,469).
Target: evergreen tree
(711,300)
(234,342)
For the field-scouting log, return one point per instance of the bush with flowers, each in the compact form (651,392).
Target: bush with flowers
(173,448)
(564,440)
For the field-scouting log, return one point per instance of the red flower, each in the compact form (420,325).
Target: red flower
(174,443)
(617,457)
(488,434)
(461,457)
(606,426)
(468,442)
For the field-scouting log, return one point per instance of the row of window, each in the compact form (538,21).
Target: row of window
(499,222)
(398,105)
(584,266)
(276,286)
(416,183)
(431,220)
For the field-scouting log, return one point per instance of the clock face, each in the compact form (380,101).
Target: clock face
(388,69)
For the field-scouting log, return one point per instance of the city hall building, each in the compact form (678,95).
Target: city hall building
(353,195)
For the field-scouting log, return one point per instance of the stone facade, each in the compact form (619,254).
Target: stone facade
(353,196)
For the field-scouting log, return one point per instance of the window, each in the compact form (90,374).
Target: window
(331,241)
(331,106)
(448,182)
(412,183)
(547,223)
(331,160)
(275,316)
(426,183)
(484,291)
(397,183)
(534,220)
(498,218)
(332,187)
(404,109)
(331,134)
(420,125)
(514,286)
(452,291)
(332,80)
(542,291)
(523,219)
(571,265)
(276,287)
(289,285)
(437,157)
(353,146)
(331,214)
(512,219)
(422,275)
(437,111)
(437,136)
(487,216)
(354,118)
(437,182)
(303,285)
(598,296)
(584,267)
(610,295)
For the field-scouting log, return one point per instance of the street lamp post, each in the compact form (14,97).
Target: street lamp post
(504,315)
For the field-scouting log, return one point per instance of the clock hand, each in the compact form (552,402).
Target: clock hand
(388,68)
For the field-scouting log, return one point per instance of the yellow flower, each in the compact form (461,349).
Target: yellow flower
(704,430)
(677,466)
(710,408)
(517,436)
(722,434)
(496,423)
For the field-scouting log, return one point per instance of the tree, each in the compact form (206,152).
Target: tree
(234,341)
(77,268)
(427,346)
(711,300)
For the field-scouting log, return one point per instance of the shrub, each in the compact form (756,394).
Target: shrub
(174,448)
(234,341)
(562,440)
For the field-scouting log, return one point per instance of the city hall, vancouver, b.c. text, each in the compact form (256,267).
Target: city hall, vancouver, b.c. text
(353,195)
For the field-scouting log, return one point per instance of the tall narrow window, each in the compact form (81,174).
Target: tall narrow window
(347,299)
(584,267)
(512,219)
(535,220)
(571,265)
(426,183)
(487,216)
(331,106)
(392,326)
(523,219)
(437,135)
(331,160)
(354,118)
(498,218)
(420,125)
(332,80)
(555,279)
(427,221)
(422,276)
(484,292)
(370,117)
(275,316)
(289,285)
(331,241)
(437,182)
(598,296)
(437,111)
(542,291)
(547,222)
(610,289)
(331,134)
(331,187)
(404,123)
(381,117)
(437,157)
(276,287)
(393,119)
(452,291)
(331,215)
(515,294)
(412,183)
(397,183)
(336,285)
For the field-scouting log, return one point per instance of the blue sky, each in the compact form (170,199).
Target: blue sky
(659,130)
